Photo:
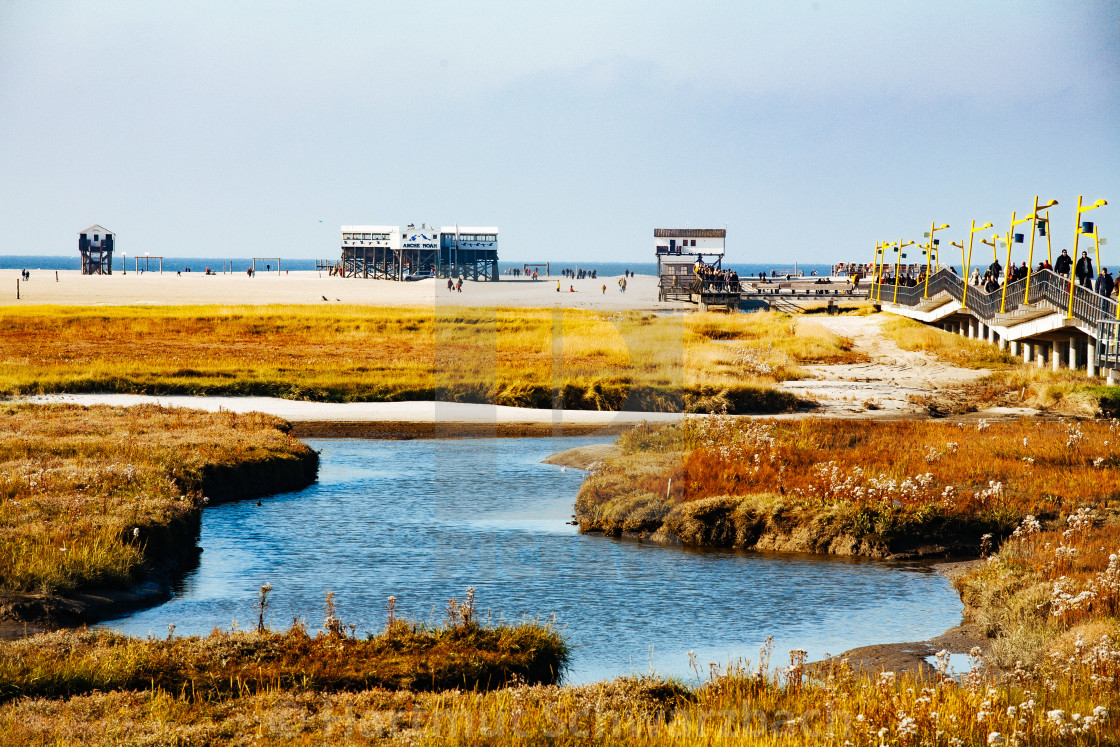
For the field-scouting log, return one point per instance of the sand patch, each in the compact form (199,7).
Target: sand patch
(889,382)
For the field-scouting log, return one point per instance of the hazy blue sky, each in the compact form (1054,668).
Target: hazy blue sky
(811,129)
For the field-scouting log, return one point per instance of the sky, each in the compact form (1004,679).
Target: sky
(811,130)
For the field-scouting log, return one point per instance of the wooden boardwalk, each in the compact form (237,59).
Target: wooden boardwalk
(776,293)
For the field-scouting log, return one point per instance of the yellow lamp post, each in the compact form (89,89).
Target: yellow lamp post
(972,231)
(933,227)
(1011,239)
(875,264)
(1030,252)
(898,266)
(1076,235)
(992,243)
(883,252)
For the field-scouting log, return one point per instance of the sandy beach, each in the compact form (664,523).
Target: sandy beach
(394,419)
(303,287)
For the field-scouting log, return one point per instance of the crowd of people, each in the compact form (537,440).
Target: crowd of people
(993,278)
(580,274)
(1099,282)
(717,278)
(577,274)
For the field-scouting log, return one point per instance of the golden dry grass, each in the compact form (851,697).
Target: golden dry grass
(897,484)
(226,665)
(1012,382)
(89,495)
(293,688)
(1050,583)
(520,357)
(952,348)
(741,704)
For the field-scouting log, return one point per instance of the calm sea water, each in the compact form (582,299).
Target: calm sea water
(199,264)
(423,520)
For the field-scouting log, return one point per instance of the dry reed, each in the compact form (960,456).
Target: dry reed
(519,357)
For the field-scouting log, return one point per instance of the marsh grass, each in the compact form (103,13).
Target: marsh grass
(1011,381)
(952,348)
(1046,587)
(727,481)
(1050,596)
(738,704)
(518,357)
(89,496)
(226,665)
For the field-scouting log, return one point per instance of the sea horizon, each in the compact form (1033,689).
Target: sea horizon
(43,262)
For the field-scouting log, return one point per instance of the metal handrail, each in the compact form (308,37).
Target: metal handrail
(1046,287)
(1108,341)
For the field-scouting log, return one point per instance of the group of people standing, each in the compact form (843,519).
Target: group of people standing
(713,275)
(580,274)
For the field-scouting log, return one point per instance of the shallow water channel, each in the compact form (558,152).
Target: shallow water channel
(422,520)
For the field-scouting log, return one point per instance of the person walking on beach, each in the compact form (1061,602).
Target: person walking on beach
(450,285)
(622,285)
(557,286)
(604,289)
(459,285)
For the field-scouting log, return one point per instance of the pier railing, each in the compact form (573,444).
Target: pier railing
(1046,288)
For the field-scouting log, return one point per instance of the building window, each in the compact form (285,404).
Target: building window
(694,242)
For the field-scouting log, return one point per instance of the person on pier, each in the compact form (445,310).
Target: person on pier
(1063,263)
(1084,271)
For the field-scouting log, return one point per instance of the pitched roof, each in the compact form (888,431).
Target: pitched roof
(690,233)
(95,228)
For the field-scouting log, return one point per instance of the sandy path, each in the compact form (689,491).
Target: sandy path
(888,381)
